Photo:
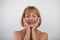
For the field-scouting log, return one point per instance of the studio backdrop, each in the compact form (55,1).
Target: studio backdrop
(11,12)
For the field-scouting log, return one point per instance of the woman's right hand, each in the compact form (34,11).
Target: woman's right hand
(26,24)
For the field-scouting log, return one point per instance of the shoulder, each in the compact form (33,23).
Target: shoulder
(18,35)
(43,35)
(19,32)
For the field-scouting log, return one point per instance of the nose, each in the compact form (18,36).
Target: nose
(30,18)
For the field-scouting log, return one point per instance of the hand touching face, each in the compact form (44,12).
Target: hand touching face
(26,24)
(35,26)
(31,19)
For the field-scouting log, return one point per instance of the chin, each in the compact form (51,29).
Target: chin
(31,25)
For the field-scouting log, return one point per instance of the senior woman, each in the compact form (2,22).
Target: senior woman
(31,20)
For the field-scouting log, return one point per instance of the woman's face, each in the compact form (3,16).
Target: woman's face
(31,18)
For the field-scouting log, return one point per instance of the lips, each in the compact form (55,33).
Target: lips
(30,22)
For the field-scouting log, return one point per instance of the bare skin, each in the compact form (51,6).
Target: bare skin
(20,35)
(30,28)
(25,34)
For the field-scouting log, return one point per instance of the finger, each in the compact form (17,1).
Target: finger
(37,22)
(25,23)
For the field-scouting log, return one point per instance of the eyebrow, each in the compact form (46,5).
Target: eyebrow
(32,14)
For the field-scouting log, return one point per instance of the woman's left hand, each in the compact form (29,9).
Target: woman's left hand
(35,26)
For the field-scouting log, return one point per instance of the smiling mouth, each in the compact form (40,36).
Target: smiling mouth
(30,22)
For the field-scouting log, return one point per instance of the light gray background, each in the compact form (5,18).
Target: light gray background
(11,12)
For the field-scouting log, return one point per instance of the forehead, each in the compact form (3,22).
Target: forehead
(31,12)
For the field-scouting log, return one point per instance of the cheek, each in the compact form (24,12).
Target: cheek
(26,19)
(35,19)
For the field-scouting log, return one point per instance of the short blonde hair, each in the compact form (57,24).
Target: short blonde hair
(31,9)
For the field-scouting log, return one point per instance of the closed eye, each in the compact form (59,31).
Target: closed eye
(27,16)
(34,16)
